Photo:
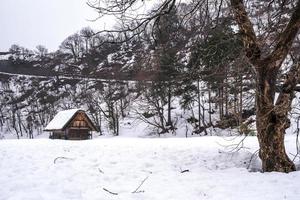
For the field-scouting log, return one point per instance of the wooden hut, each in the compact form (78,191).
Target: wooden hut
(71,124)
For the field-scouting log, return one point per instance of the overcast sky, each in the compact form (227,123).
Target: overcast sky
(46,22)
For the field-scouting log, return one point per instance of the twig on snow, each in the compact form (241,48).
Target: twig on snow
(136,190)
(110,192)
(61,157)
(100,171)
(184,171)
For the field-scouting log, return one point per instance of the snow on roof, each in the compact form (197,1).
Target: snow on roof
(60,119)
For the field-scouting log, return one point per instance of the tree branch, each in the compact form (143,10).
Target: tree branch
(285,98)
(246,29)
(286,38)
(137,189)
(110,192)
(61,157)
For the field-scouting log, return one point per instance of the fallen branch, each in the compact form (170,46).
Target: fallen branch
(113,193)
(184,171)
(136,190)
(62,158)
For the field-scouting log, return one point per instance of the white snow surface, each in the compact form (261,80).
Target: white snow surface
(60,119)
(44,169)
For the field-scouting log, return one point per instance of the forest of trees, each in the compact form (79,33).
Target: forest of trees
(210,64)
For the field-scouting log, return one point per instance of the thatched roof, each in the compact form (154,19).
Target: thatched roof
(63,118)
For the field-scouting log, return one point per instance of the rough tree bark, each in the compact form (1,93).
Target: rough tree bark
(271,117)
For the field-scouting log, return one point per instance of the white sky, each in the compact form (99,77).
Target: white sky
(46,22)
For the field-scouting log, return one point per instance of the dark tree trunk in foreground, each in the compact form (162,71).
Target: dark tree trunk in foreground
(271,117)
(271,122)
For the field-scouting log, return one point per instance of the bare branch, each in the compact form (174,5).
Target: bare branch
(284,101)
(137,189)
(286,38)
(110,192)
(61,157)
(252,49)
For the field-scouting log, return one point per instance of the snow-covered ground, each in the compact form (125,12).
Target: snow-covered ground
(44,169)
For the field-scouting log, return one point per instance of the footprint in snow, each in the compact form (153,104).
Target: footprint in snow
(113,162)
(148,165)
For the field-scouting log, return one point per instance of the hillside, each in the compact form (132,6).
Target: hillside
(178,76)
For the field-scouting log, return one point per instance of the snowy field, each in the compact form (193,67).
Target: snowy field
(141,169)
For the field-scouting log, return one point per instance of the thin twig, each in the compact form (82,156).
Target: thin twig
(297,140)
(61,157)
(100,171)
(110,192)
(136,190)
(184,171)
(235,147)
(251,158)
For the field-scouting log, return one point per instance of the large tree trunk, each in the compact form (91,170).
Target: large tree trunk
(271,125)
(199,106)
(240,82)
(225,86)
(169,122)
(209,106)
(271,141)
(271,117)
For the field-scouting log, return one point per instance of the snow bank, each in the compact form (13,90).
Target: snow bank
(82,170)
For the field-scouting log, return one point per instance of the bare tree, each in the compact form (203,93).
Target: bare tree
(271,113)
(266,54)
(41,51)
(73,45)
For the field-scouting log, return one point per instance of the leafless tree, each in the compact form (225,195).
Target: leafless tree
(267,38)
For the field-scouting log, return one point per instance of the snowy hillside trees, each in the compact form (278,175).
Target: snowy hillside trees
(265,49)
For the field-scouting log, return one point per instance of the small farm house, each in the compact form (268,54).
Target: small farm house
(71,124)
